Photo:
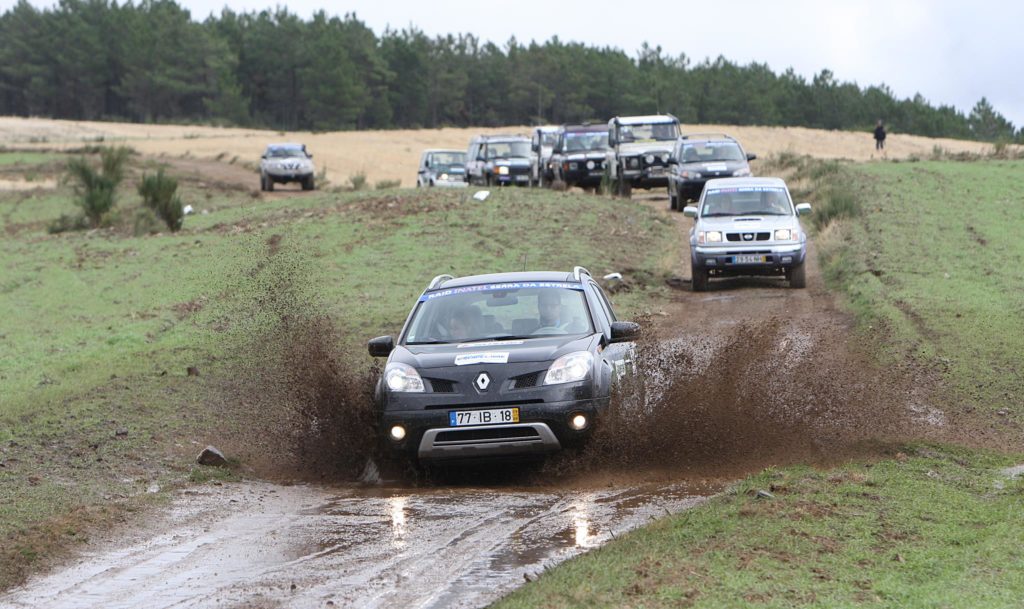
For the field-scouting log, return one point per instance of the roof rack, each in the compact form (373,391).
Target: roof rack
(578,271)
(437,281)
(688,136)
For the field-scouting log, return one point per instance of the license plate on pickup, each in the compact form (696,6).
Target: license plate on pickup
(463,418)
(748,259)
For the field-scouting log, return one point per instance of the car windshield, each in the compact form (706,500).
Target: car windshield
(504,150)
(649,132)
(758,200)
(548,138)
(446,161)
(500,311)
(587,140)
(284,152)
(708,152)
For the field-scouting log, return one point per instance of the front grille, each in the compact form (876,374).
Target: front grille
(477,435)
(441,385)
(739,236)
(748,252)
(482,405)
(525,380)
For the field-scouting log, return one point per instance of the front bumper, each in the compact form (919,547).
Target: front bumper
(451,183)
(730,261)
(653,176)
(289,176)
(542,428)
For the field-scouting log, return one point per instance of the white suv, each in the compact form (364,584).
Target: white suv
(283,163)
(747,226)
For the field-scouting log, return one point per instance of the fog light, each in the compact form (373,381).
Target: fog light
(578,422)
(787,259)
(397,433)
(710,262)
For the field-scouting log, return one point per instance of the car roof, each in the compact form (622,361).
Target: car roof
(447,150)
(707,137)
(505,138)
(458,282)
(548,128)
(741,182)
(647,119)
(585,128)
(286,145)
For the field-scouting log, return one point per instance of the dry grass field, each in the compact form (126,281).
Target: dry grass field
(393,155)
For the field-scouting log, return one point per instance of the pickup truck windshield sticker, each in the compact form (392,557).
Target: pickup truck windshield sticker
(487,357)
(747,189)
(499,287)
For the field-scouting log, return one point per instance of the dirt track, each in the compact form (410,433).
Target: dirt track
(760,375)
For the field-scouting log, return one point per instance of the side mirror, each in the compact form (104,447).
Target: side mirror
(309,154)
(751,157)
(803,209)
(623,331)
(611,140)
(263,156)
(382,346)
(690,211)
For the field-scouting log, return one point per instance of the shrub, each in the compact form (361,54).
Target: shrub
(145,222)
(357,180)
(159,194)
(67,223)
(385,184)
(95,190)
(839,202)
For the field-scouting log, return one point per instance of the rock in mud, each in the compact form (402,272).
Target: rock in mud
(211,456)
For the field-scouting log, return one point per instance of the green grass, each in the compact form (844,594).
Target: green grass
(8,158)
(99,326)
(937,263)
(940,528)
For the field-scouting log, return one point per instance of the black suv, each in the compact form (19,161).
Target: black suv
(699,157)
(500,365)
(498,160)
(579,155)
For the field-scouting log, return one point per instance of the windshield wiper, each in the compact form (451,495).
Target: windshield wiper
(496,338)
(717,214)
(430,342)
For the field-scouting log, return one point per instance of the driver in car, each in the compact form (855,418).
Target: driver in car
(549,308)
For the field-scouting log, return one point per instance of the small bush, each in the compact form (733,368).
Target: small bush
(385,184)
(146,222)
(159,193)
(357,181)
(838,202)
(67,223)
(95,190)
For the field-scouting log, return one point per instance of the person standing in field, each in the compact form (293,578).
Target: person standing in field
(879,136)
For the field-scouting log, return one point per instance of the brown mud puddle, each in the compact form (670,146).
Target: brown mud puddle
(265,545)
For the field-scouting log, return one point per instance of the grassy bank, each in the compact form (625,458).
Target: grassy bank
(97,411)
(926,255)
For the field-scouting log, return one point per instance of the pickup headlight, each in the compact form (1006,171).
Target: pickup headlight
(741,172)
(570,368)
(402,377)
(694,175)
(633,163)
(785,234)
(503,170)
(710,236)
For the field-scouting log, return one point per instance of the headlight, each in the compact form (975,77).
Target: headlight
(574,166)
(711,236)
(695,175)
(664,158)
(590,165)
(503,170)
(742,172)
(444,176)
(403,377)
(633,162)
(786,234)
(650,159)
(570,368)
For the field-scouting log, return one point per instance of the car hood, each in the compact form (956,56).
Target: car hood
(515,161)
(635,148)
(593,155)
(747,223)
(425,357)
(714,166)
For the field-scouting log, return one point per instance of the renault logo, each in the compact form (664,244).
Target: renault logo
(748,236)
(482,381)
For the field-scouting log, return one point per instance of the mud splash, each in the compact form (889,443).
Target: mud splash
(303,406)
(762,393)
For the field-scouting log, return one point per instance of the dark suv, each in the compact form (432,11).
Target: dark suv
(579,155)
(699,157)
(501,365)
(498,160)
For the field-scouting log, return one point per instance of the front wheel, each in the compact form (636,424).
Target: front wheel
(270,184)
(308,183)
(625,187)
(699,278)
(798,277)
(673,201)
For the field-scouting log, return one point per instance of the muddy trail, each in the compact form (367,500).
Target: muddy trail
(748,375)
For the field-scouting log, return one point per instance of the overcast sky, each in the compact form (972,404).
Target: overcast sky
(951,51)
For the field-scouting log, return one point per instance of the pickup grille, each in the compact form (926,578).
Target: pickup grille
(756,236)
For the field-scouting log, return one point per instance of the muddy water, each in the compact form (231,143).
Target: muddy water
(264,545)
